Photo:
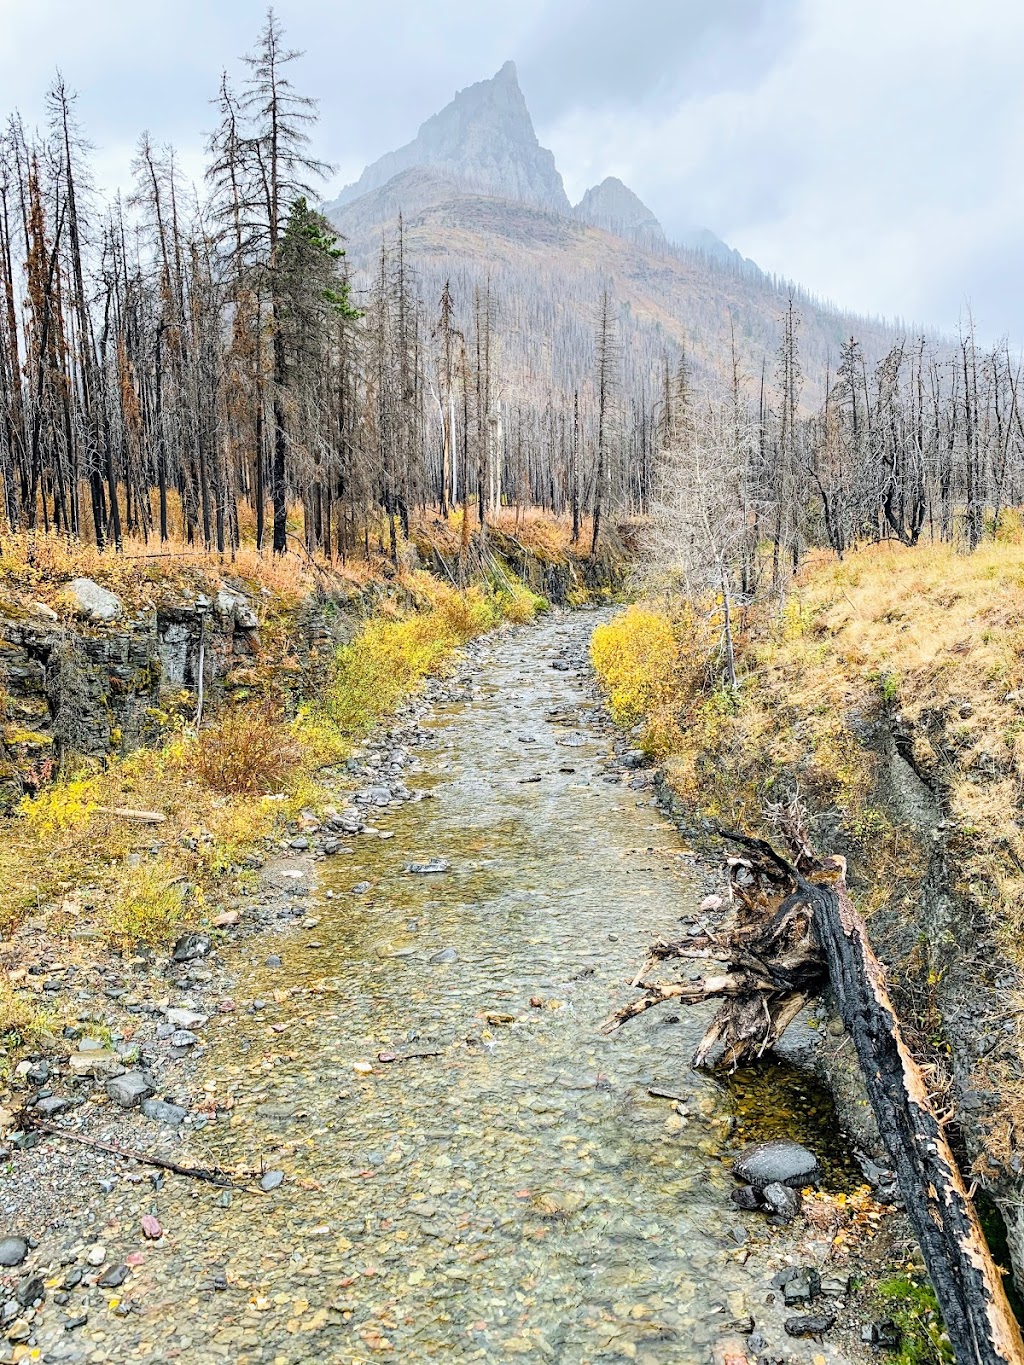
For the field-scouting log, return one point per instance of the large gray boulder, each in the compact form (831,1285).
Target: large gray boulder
(777,1163)
(88,599)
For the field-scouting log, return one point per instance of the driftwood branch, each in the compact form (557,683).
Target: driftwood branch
(797,931)
(211,1175)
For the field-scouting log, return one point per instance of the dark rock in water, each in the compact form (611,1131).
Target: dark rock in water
(812,1326)
(784,1203)
(271,1180)
(114,1277)
(30,1291)
(746,1197)
(130,1089)
(801,1287)
(430,866)
(561,665)
(330,847)
(446,955)
(782,1163)
(160,1111)
(634,758)
(191,947)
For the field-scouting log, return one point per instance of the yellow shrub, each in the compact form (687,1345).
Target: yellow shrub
(61,808)
(21,1025)
(519,604)
(146,905)
(636,658)
(388,659)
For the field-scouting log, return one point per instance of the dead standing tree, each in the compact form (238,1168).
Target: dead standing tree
(796,931)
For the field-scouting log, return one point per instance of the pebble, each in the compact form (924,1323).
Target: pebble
(811,1326)
(784,1202)
(191,947)
(160,1111)
(52,1106)
(96,1255)
(13,1251)
(274,960)
(432,865)
(446,955)
(130,1089)
(30,1291)
(271,1180)
(114,1277)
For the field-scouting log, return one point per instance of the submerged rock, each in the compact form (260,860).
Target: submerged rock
(777,1163)
(161,1111)
(430,866)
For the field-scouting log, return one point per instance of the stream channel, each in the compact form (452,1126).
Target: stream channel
(520,1193)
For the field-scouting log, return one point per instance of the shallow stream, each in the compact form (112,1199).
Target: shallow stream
(515,1190)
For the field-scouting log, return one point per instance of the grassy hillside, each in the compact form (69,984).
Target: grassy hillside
(889,694)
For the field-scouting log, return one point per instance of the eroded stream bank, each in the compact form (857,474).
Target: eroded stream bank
(511,1190)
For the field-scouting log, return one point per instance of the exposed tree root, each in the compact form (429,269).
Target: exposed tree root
(796,931)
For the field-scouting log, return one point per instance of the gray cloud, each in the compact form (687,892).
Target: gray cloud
(599,53)
(868,151)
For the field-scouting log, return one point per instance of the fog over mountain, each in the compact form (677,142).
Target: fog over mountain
(484,142)
(482,204)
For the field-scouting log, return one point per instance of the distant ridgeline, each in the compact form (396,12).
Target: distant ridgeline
(224,370)
(482,200)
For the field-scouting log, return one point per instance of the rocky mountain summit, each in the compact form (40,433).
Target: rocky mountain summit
(484,141)
(614,207)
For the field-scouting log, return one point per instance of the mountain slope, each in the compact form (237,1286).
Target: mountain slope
(614,207)
(483,206)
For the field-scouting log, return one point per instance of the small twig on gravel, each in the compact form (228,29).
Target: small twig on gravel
(385,1057)
(212,1176)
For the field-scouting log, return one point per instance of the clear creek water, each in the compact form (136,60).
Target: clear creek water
(520,1193)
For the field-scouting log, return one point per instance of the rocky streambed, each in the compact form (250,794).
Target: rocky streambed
(392,1050)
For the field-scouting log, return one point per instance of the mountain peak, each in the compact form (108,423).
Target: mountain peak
(485,140)
(614,207)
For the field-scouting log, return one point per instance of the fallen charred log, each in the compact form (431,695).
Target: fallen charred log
(797,931)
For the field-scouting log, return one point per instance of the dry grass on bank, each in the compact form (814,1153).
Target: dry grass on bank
(69,856)
(927,634)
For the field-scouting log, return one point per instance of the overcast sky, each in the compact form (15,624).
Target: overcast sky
(870,150)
